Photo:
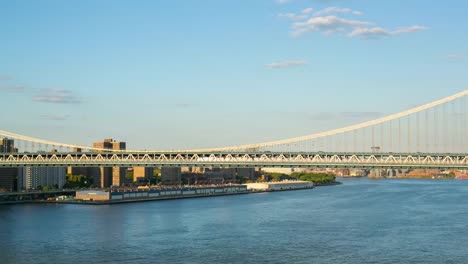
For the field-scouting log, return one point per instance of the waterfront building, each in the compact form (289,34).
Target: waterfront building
(279,186)
(107,176)
(33,177)
(142,173)
(92,195)
(170,175)
(143,193)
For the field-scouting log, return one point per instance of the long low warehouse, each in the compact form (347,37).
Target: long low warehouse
(91,195)
(279,186)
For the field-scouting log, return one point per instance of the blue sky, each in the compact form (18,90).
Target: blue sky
(185,74)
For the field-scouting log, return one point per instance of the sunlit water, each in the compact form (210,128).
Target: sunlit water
(361,221)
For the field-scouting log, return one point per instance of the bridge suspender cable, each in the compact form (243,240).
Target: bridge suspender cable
(348,128)
(259,145)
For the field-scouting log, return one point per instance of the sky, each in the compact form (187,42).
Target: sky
(177,74)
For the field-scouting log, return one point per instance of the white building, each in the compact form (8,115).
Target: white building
(279,186)
(32,177)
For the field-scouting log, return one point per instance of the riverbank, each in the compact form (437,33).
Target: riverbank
(161,195)
(136,200)
(327,184)
(131,197)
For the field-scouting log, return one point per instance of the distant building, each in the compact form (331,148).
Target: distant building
(185,169)
(33,177)
(113,175)
(87,171)
(77,150)
(7,145)
(104,145)
(118,173)
(247,173)
(170,175)
(287,171)
(92,195)
(220,175)
(375,149)
(142,173)
(7,177)
(77,170)
(279,186)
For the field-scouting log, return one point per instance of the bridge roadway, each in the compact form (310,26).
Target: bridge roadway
(240,159)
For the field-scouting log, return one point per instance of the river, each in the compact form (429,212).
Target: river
(360,221)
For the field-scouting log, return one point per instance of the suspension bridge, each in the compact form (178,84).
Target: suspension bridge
(432,135)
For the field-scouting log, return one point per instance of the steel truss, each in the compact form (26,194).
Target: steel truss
(241,160)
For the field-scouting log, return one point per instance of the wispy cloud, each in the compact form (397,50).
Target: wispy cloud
(4,78)
(377,32)
(326,24)
(292,16)
(59,96)
(304,14)
(12,88)
(55,117)
(283,1)
(184,105)
(285,64)
(336,10)
(7,86)
(455,56)
(307,10)
(330,21)
(408,29)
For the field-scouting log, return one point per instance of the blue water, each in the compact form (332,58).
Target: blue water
(361,221)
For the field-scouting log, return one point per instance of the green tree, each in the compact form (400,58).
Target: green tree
(129,176)
(78,181)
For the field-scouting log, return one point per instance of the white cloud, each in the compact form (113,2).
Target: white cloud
(369,32)
(285,64)
(334,10)
(327,24)
(283,1)
(12,88)
(302,16)
(408,29)
(377,32)
(455,56)
(292,16)
(60,96)
(307,10)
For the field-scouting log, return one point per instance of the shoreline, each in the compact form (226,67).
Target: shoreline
(328,184)
(150,199)
(147,199)
(176,197)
